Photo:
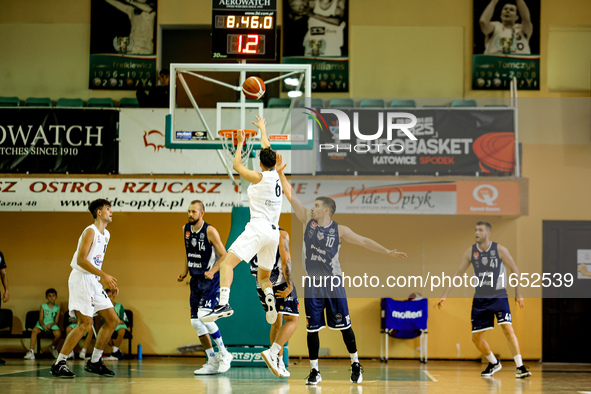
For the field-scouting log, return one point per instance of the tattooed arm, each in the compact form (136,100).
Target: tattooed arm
(285,264)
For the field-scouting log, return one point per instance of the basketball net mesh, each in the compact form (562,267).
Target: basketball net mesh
(229,151)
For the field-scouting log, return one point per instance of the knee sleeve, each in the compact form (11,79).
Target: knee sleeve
(199,327)
(313,345)
(349,338)
(211,327)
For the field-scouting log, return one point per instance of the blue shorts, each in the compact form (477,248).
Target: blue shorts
(289,305)
(317,299)
(484,311)
(204,293)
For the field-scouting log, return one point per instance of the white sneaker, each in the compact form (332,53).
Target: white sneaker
(271,361)
(211,367)
(283,372)
(30,355)
(271,314)
(224,361)
(82,354)
(71,355)
(53,351)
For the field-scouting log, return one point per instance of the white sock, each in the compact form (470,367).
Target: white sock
(224,295)
(61,357)
(83,351)
(275,349)
(96,355)
(491,358)
(518,360)
(314,364)
(114,349)
(268,290)
(210,353)
(354,357)
(220,343)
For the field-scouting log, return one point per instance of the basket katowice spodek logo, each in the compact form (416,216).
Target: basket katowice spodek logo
(390,119)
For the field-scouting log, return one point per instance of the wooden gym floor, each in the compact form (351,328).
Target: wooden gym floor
(175,374)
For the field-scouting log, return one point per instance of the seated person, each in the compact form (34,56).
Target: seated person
(48,318)
(156,96)
(120,329)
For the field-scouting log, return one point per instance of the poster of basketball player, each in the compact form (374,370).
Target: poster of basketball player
(506,44)
(316,32)
(122,44)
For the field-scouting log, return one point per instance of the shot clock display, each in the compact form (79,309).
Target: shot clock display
(244,33)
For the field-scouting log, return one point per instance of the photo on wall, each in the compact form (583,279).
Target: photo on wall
(506,44)
(122,44)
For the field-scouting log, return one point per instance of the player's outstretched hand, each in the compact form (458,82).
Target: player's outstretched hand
(519,301)
(394,253)
(110,281)
(181,277)
(439,303)
(582,268)
(261,123)
(240,137)
(279,166)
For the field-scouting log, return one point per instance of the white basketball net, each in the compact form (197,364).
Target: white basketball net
(229,151)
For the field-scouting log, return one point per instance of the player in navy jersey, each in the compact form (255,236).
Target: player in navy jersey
(490,296)
(287,305)
(203,248)
(322,244)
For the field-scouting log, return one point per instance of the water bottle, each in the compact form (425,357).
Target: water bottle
(139,352)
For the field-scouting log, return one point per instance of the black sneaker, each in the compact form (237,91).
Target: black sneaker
(356,373)
(314,378)
(61,370)
(218,312)
(118,355)
(98,368)
(491,369)
(522,372)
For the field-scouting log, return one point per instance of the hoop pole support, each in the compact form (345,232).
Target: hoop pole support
(209,134)
(236,88)
(282,76)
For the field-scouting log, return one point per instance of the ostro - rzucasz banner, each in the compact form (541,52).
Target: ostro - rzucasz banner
(75,141)
(416,141)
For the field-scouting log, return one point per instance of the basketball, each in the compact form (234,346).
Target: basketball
(253,88)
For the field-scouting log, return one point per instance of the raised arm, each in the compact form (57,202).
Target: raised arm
(214,238)
(304,215)
(461,269)
(253,177)
(285,256)
(485,19)
(526,26)
(509,262)
(83,250)
(348,235)
(261,123)
(582,268)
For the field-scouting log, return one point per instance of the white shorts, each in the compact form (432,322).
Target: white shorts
(261,238)
(86,294)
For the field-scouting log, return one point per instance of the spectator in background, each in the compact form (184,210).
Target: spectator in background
(120,330)
(507,36)
(48,318)
(158,96)
(6,296)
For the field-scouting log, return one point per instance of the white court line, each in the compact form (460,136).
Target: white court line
(25,370)
(430,376)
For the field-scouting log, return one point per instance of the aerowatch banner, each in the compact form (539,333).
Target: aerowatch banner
(506,44)
(51,140)
(318,35)
(448,142)
(122,44)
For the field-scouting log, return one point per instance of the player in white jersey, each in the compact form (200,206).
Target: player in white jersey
(326,28)
(507,36)
(86,293)
(261,235)
(141,17)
